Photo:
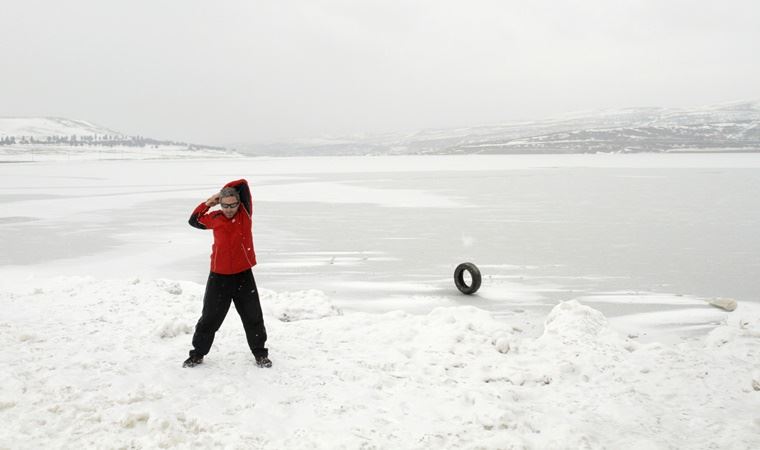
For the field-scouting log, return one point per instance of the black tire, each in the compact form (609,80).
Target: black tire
(459,278)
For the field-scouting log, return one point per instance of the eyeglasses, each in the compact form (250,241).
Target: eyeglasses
(229,205)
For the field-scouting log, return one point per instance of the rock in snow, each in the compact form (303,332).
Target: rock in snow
(728,304)
(97,363)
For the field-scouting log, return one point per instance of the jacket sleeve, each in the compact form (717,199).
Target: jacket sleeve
(199,216)
(245,194)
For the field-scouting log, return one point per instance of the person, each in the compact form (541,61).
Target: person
(231,277)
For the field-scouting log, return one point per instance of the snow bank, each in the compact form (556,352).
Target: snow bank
(96,363)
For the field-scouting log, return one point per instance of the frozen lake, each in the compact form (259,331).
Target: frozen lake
(374,233)
(101,281)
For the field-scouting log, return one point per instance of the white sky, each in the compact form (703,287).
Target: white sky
(254,71)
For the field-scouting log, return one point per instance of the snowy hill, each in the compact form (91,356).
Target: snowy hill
(55,138)
(50,126)
(726,127)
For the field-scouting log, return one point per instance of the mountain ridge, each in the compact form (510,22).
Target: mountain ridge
(724,127)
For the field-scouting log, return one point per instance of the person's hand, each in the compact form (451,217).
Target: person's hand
(213,200)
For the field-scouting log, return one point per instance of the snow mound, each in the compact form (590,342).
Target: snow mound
(171,287)
(298,305)
(174,328)
(571,322)
(577,345)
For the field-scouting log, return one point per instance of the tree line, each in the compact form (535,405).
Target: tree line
(74,139)
(95,140)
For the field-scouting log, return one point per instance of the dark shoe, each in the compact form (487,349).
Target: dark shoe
(192,361)
(263,361)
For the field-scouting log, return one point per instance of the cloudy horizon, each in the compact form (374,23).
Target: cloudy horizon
(257,71)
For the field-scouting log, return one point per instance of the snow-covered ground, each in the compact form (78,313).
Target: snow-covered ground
(101,281)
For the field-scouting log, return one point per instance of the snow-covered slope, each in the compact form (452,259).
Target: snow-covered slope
(725,127)
(55,138)
(42,127)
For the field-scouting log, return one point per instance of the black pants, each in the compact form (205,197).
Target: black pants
(220,290)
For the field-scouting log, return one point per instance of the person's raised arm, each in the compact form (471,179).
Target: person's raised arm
(198,217)
(245,194)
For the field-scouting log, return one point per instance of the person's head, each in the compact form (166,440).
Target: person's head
(229,200)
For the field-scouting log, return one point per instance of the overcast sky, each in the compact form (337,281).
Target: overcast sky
(231,71)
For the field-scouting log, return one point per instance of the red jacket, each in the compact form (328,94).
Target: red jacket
(232,251)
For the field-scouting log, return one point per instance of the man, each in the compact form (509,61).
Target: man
(231,278)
